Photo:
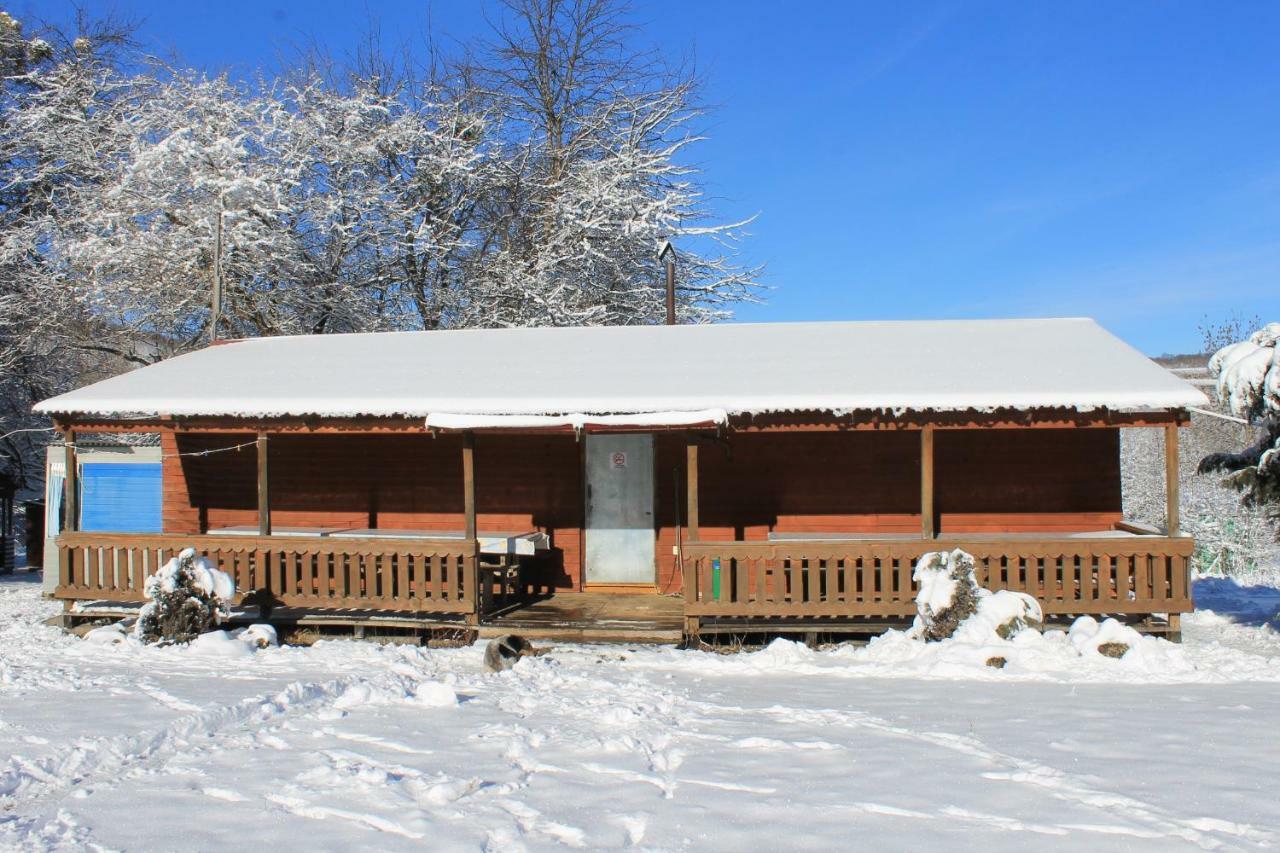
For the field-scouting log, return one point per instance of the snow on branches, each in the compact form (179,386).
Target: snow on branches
(525,183)
(1248,375)
(185,598)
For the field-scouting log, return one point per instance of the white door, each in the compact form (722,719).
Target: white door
(620,532)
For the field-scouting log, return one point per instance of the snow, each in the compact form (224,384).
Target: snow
(577,420)
(940,575)
(935,575)
(1248,373)
(900,744)
(841,367)
(204,575)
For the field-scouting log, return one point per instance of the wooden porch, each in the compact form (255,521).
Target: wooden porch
(783,580)
(835,586)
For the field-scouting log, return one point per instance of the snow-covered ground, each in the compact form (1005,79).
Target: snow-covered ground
(353,745)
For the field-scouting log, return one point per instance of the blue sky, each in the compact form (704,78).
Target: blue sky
(914,160)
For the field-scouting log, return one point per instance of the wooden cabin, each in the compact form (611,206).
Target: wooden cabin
(744,476)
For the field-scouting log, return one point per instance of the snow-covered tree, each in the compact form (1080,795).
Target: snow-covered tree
(528,184)
(63,114)
(396,171)
(186,597)
(1248,375)
(198,203)
(596,177)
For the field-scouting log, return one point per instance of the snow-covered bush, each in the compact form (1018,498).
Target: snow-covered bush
(950,601)
(948,593)
(185,598)
(1248,376)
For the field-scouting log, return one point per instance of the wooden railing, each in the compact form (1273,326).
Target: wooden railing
(868,578)
(416,575)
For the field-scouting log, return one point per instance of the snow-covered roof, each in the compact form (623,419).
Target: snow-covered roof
(659,372)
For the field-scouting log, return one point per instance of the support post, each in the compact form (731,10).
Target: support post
(927,528)
(71,483)
(472,561)
(469,485)
(264,488)
(1171,515)
(691,481)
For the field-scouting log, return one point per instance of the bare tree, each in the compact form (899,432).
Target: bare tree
(527,184)
(594,176)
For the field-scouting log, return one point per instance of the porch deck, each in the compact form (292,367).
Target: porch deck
(570,617)
(593,617)
(827,585)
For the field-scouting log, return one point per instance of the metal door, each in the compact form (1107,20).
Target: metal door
(620,533)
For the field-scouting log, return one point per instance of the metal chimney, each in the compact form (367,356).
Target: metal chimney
(667,254)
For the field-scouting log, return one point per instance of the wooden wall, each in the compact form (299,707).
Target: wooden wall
(1010,480)
(410,481)
(751,483)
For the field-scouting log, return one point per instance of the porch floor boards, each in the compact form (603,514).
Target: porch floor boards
(582,617)
(593,617)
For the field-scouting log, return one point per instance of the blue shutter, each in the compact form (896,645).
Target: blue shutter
(120,497)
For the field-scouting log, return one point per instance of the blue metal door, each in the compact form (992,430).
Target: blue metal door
(120,497)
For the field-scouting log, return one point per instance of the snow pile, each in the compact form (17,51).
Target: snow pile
(185,598)
(1111,638)
(950,603)
(259,636)
(240,643)
(107,635)
(402,689)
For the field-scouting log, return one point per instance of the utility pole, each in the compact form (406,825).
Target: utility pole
(667,254)
(215,312)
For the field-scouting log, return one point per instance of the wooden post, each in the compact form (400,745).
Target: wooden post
(691,481)
(264,488)
(472,562)
(927,528)
(71,484)
(1171,516)
(469,485)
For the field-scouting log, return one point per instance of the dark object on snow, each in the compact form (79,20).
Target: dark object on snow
(1113,650)
(181,611)
(996,662)
(503,652)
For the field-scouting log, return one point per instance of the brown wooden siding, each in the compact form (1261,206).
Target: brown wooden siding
(413,482)
(1058,480)
(1027,480)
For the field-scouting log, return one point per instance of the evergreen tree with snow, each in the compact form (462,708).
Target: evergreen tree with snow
(1248,375)
(185,598)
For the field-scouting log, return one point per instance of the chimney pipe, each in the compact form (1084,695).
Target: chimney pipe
(667,254)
